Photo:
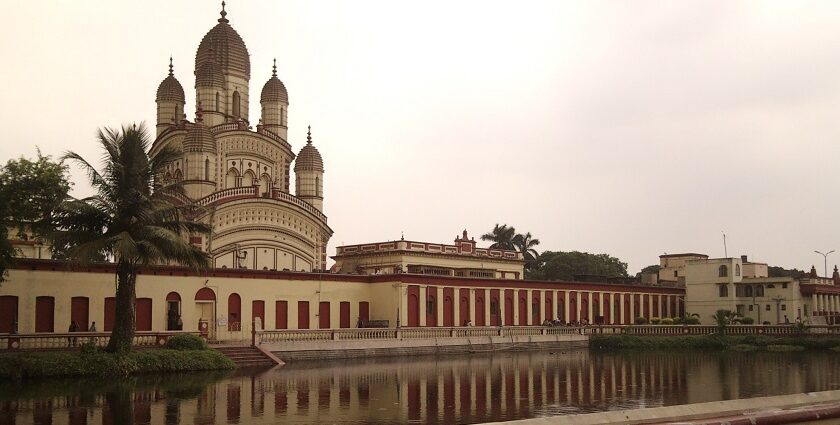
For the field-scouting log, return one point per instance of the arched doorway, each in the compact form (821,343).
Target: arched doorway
(173,312)
(234,312)
(205,308)
(413,305)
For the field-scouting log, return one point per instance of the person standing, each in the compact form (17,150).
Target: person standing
(74,327)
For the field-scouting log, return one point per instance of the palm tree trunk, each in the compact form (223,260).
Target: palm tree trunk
(123,333)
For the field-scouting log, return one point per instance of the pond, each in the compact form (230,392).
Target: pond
(473,388)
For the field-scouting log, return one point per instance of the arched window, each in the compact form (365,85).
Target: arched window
(231,178)
(723,271)
(234,312)
(317,186)
(178,175)
(236,104)
(207,169)
(218,103)
(759,291)
(737,270)
(282,116)
(748,291)
(723,290)
(248,179)
(264,182)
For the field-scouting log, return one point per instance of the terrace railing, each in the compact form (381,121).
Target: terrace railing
(74,340)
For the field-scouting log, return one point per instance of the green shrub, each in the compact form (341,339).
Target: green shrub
(655,320)
(100,363)
(666,321)
(744,347)
(747,320)
(186,342)
(678,320)
(765,323)
(641,321)
(691,320)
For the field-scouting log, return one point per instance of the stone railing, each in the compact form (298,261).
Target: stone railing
(233,192)
(665,330)
(73,340)
(283,196)
(311,335)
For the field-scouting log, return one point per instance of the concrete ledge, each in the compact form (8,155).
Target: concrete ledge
(343,349)
(792,408)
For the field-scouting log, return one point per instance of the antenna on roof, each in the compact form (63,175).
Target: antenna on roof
(725,254)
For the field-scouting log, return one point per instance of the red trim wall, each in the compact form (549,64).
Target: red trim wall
(324,315)
(431,306)
(413,305)
(509,306)
(479,308)
(303,314)
(344,314)
(281,315)
(448,307)
(463,305)
(522,302)
(8,313)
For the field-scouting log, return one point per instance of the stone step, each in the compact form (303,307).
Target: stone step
(245,356)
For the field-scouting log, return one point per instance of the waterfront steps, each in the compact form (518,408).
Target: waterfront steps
(246,356)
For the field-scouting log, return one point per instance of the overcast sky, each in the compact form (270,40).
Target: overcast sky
(630,128)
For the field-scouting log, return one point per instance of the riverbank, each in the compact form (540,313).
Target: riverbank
(712,342)
(23,365)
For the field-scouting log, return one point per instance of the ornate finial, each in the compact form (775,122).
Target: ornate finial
(223,19)
(309,135)
(170,66)
(402,235)
(199,114)
(274,68)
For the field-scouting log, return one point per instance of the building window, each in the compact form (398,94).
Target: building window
(784,285)
(771,286)
(236,104)
(723,290)
(430,306)
(675,273)
(737,270)
(748,291)
(207,169)
(759,291)
(767,307)
(723,271)
(751,307)
(784,307)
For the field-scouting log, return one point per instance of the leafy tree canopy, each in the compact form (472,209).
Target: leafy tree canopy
(565,265)
(30,191)
(775,271)
(651,269)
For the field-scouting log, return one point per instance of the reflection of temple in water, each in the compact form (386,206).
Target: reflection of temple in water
(467,389)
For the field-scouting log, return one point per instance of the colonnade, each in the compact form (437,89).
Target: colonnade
(825,305)
(428,305)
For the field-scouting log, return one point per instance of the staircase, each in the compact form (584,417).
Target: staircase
(246,356)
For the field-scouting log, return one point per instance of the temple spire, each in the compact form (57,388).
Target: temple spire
(309,135)
(170,66)
(223,19)
(274,68)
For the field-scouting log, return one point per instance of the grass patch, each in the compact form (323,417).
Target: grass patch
(99,363)
(713,342)
(744,347)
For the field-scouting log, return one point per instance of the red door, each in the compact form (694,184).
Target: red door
(627,319)
(258,310)
(573,311)
(595,299)
(536,320)
(495,320)
(464,305)
(324,315)
(413,305)
(79,312)
(605,311)
(303,314)
(281,315)
(431,306)
(143,307)
(523,307)
(448,307)
(549,305)
(344,314)
(479,308)
(44,314)
(110,314)
(8,313)
(509,305)
(234,312)
(584,306)
(364,312)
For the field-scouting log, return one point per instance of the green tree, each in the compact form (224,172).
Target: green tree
(30,192)
(130,219)
(501,236)
(525,244)
(561,265)
(652,269)
(775,271)
(724,318)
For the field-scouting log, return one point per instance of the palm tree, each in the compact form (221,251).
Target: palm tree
(129,219)
(501,236)
(525,244)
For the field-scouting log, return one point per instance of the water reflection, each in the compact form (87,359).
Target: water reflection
(463,389)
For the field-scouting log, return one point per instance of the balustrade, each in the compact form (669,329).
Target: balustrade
(74,340)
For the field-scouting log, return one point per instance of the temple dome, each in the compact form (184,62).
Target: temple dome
(309,159)
(199,138)
(223,45)
(209,75)
(170,89)
(274,90)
